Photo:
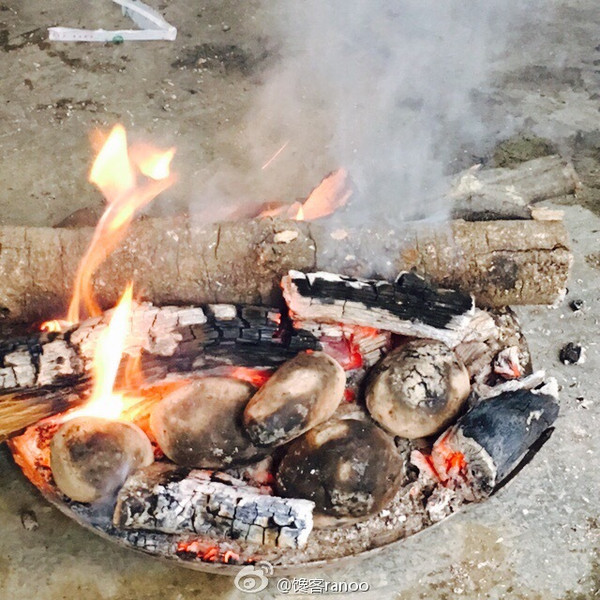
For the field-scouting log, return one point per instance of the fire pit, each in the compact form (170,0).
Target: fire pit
(352,414)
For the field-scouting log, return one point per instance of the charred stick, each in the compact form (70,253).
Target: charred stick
(170,500)
(409,306)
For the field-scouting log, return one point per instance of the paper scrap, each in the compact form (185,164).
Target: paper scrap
(152,27)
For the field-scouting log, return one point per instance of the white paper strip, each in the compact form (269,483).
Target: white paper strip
(153,27)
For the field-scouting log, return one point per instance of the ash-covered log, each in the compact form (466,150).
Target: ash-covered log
(485,445)
(410,306)
(171,500)
(174,261)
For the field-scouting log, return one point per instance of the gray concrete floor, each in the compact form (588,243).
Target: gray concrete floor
(540,536)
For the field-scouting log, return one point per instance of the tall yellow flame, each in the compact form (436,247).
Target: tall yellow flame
(115,174)
(104,402)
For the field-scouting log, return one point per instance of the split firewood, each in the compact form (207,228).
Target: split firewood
(409,306)
(174,261)
(164,498)
(486,194)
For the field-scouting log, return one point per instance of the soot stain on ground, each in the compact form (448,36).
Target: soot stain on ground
(226,58)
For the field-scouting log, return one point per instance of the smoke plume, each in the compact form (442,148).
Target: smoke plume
(391,90)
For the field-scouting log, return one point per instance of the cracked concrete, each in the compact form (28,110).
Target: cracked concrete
(540,536)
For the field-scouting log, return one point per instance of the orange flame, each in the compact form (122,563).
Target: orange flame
(104,401)
(115,173)
(330,195)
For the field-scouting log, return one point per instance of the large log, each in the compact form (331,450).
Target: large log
(173,261)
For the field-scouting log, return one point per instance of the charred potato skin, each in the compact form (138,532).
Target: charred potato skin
(348,467)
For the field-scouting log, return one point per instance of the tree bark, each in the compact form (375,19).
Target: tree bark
(175,262)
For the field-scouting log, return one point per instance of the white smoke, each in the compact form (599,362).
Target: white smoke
(390,90)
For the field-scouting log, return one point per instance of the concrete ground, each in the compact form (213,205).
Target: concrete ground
(537,538)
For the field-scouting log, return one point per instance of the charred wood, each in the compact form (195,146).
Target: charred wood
(485,445)
(170,500)
(409,306)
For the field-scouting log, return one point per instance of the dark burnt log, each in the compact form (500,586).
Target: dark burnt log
(176,262)
(246,336)
(172,500)
(485,445)
(410,306)
(486,194)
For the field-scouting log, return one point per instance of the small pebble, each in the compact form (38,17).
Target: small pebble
(572,354)
(29,520)
(226,27)
(576,305)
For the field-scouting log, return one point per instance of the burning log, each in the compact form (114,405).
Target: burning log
(199,425)
(302,393)
(485,194)
(417,389)
(91,458)
(348,467)
(173,261)
(171,339)
(46,373)
(410,306)
(171,500)
(488,443)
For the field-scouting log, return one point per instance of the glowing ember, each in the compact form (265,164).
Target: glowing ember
(104,402)
(275,155)
(255,377)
